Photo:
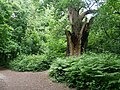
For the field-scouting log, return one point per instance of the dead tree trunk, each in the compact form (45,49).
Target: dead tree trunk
(78,37)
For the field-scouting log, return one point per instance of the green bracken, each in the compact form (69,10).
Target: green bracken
(30,63)
(90,71)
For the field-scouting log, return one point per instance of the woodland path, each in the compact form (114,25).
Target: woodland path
(11,80)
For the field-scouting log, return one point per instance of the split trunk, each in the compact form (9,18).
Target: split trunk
(77,39)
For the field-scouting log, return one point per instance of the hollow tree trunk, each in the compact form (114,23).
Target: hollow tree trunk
(78,37)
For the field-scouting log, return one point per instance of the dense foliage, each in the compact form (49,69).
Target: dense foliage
(8,46)
(91,71)
(105,31)
(30,30)
(30,63)
(32,37)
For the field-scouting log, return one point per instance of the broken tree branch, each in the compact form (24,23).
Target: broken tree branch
(85,13)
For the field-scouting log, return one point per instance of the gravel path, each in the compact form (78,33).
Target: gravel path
(11,80)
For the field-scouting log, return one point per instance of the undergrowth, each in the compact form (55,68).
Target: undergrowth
(30,63)
(88,72)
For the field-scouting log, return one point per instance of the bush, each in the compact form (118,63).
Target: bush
(57,71)
(56,48)
(90,71)
(30,63)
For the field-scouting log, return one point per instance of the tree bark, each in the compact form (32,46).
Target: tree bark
(78,37)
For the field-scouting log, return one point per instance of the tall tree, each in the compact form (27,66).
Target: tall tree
(78,36)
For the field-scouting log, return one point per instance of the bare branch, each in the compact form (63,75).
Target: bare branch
(85,13)
(83,27)
(87,4)
(93,4)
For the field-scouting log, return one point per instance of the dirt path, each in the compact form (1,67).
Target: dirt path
(11,80)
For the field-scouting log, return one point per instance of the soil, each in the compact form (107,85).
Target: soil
(11,80)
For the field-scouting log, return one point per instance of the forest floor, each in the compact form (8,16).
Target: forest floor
(11,80)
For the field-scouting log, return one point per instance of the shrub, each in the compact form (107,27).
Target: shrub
(57,71)
(30,63)
(90,71)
